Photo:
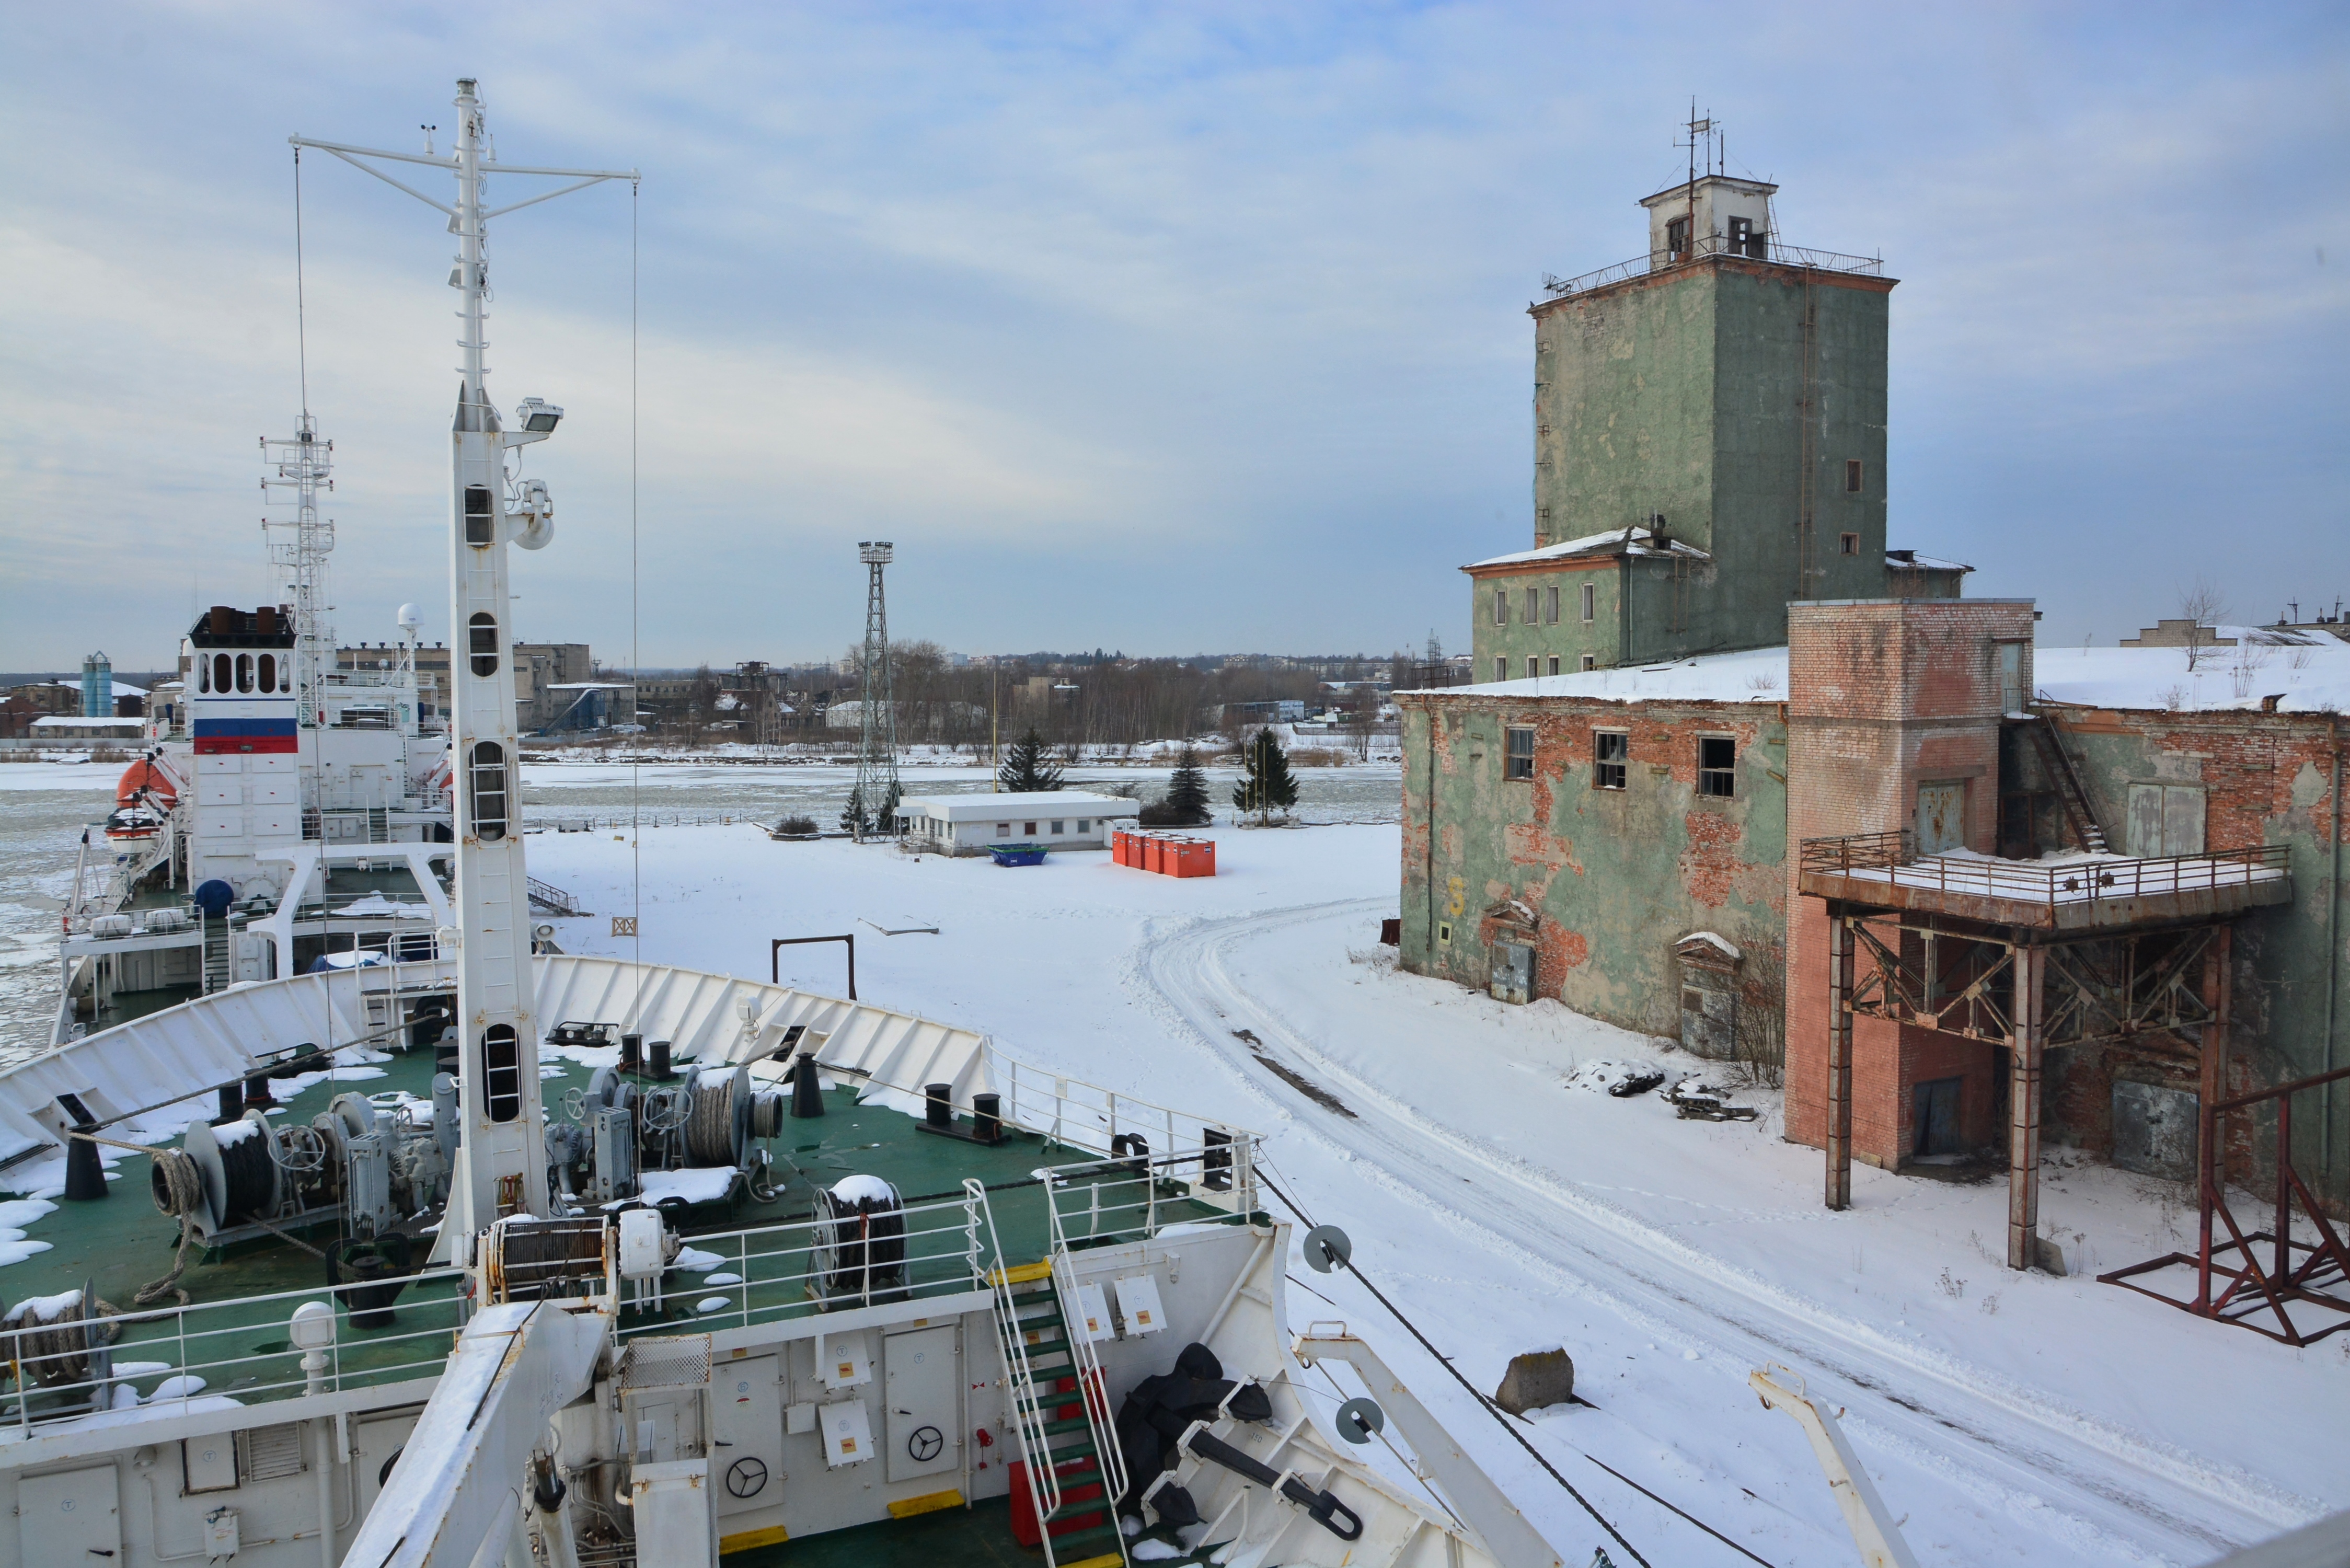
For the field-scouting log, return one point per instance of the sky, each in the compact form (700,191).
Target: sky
(1166,329)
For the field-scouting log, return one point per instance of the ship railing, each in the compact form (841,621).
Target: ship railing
(1093,1382)
(1098,1203)
(1090,1119)
(1025,1398)
(1769,247)
(928,1247)
(189,1357)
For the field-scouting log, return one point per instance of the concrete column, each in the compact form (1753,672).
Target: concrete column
(1840,950)
(2024,1108)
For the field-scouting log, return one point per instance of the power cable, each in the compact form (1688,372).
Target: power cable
(1502,1416)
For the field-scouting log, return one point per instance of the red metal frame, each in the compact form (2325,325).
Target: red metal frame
(2312,1273)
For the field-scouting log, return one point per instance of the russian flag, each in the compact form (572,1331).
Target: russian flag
(214,736)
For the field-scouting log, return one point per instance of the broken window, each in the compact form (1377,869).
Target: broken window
(1746,240)
(1521,755)
(1590,661)
(1852,476)
(1501,669)
(1677,231)
(1717,766)
(1848,544)
(1611,750)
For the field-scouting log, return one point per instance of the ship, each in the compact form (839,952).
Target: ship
(429,1245)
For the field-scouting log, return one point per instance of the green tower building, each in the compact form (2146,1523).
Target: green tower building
(1709,444)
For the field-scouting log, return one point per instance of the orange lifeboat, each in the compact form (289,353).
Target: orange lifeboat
(143,799)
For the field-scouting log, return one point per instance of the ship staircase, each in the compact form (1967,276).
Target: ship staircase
(217,970)
(1060,1408)
(547,898)
(2057,767)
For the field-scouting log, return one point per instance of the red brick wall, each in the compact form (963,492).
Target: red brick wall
(1883,694)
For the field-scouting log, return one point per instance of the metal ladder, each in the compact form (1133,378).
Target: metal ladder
(217,970)
(2058,765)
(1067,1476)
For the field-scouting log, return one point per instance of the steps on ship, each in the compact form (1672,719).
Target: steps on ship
(217,973)
(1072,1444)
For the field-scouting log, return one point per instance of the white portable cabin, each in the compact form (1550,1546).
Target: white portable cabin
(1058,819)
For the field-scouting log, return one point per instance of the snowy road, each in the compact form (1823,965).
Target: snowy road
(2073,1486)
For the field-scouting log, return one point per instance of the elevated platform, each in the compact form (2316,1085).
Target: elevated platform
(2085,894)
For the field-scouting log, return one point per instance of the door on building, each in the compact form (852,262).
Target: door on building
(1937,1118)
(1941,816)
(2165,819)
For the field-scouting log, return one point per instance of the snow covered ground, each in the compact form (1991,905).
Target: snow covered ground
(2007,1418)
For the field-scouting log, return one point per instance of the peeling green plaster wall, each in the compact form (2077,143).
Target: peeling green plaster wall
(1618,876)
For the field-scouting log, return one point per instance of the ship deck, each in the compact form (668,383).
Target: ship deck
(234,1335)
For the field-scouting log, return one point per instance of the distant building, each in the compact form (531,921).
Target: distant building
(969,823)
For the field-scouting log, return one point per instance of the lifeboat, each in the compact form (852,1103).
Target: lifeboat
(143,799)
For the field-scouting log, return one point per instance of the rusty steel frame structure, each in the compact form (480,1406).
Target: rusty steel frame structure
(2147,962)
(2315,1273)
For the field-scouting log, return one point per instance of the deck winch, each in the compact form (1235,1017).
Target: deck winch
(615,1130)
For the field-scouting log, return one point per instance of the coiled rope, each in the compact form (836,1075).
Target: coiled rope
(178,1192)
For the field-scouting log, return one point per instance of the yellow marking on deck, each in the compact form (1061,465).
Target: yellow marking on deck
(1022,1274)
(1107,1560)
(774,1535)
(928,1504)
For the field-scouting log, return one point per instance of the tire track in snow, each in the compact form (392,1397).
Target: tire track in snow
(2124,1494)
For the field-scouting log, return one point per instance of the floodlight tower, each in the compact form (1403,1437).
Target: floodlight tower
(877,748)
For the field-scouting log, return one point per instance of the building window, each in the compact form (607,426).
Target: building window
(1029,828)
(1590,661)
(481,522)
(1085,824)
(1521,755)
(1533,605)
(1852,476)
(1444,934)
(1501,606)
(501,1072)
(1717,766)
(1848,544)
(1061,827)
(486,784)
(1611,750)
(1677,234)
(1501,669)
(1533,667)
(1550,607)
(1590,603)
(482,640)
(1003,830)
(1746,240)
(1553,664)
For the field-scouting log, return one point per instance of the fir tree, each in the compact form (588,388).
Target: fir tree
(1187,791)
(1028,768)
(852,816)
(1266,784)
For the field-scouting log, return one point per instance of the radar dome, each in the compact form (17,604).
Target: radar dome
(410,618)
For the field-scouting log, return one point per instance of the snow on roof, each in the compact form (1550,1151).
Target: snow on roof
(2312,678)
(1755,675)
(1713,939)
(1630,542)
(62,721)
(995,807)
(120,689)
(1918,560)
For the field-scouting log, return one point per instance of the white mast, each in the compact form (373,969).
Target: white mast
(502,1159)
(304,465)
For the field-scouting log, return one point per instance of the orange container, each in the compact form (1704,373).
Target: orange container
(1193,858)
(1154,854)
(1118,846)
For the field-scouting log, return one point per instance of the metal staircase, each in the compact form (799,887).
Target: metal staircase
(2057,764)
(1053,1383)
(217,970)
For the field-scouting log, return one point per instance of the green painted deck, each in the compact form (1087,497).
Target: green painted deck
(947,1537)
(119,1243)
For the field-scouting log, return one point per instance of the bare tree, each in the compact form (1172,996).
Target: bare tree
(2201,607)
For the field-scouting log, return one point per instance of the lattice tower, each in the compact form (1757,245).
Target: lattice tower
(298,548)
(877,748)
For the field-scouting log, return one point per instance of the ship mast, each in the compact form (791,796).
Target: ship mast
(501,1158)
(304,466)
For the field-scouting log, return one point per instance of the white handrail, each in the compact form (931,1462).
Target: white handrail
(1093,1384)
(1019,1376)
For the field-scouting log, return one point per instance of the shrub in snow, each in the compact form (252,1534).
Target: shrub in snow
(1028,768)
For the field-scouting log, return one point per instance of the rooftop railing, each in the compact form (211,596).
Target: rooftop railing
(1714,245)
(1891,858)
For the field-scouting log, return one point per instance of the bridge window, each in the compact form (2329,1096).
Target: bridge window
(269,672)
(245,672)
(486,784)
(481,634)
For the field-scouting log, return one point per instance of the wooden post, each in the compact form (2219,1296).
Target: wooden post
(2211,1158)
(2024,1108)
(1840,950)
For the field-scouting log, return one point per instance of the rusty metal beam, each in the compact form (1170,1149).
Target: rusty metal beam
(1840,956)
(2024,1109)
